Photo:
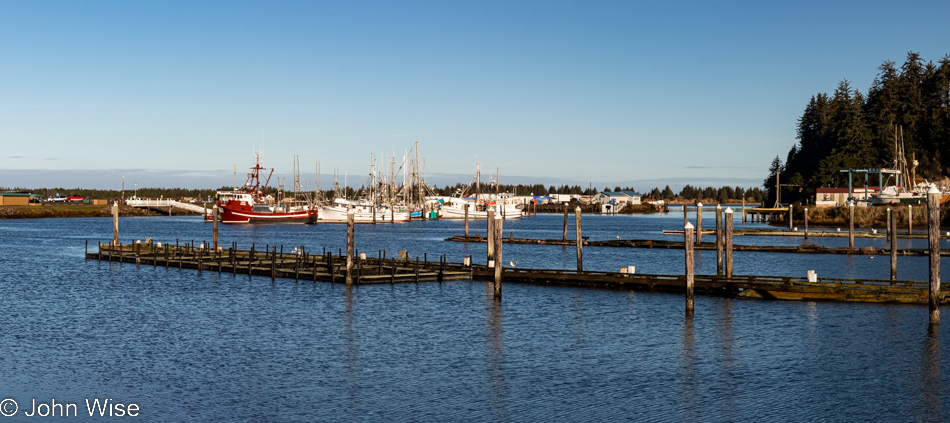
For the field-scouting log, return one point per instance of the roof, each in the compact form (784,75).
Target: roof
(621,194)
(20,194)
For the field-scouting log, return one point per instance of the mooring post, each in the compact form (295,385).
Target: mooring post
(466,220)
(805,216)
(564,236)
(910,220)
(743,208)
(490,237)
(498,263)
(728,217)
(214,219)
(851,226)
(933,236)
(580,240)
(790,217)
(115,223)
(688,246)
(719,239)
(350,220)
(893,236)
(685,217)
(699,222)
(887,223)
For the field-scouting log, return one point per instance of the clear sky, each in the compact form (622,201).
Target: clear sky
(635,93)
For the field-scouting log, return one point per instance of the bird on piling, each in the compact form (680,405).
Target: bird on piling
(512,263)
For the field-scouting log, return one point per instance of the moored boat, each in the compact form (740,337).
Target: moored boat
(249,205)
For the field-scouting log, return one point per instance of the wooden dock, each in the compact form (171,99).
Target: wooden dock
(324,267)
(678,245)
(329,267)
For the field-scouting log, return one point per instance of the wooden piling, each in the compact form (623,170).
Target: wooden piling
(910,220)
(719,240)
(699,222)
(214,219)
(688,243)
(499,266)
(892,234)
(115,223)
(743,209)
(790,218)
(728,238)
(851,226)
(490,236)
(580,240)
(564,236)
(685,217)
(350,220)
(933,236)
(466,220)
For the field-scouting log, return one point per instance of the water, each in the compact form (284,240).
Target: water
(202,346)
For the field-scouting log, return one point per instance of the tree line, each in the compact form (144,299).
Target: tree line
(853,130)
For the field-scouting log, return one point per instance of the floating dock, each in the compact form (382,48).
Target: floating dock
(329,267)
(678,245)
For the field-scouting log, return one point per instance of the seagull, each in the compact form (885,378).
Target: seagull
(618,236)
(294,251)
(512,263)
(202,246)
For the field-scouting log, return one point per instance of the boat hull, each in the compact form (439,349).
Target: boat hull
(458,212)
(337,214)
(239,213)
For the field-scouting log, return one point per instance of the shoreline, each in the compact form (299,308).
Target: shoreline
(79,210)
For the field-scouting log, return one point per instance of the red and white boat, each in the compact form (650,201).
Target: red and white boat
(249,205)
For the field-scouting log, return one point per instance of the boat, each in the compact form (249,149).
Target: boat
(362,212)
(480,204)
(248,204)
(901,192)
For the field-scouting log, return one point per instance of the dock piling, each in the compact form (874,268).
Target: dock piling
(499,266)
(699,222)
(564,236)
(933,237)
(580,240)
(214,218)
(892,234)
(350,220)
(728,239)
(719,239)
(490,236)
(688,242)
(805,216)
(790,218)
(466,220)
(910,220)
(115,223)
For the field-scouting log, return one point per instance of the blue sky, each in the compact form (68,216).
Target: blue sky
(610,93)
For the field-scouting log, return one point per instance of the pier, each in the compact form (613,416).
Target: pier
(327,266)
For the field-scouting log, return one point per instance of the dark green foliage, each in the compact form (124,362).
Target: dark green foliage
(852,130)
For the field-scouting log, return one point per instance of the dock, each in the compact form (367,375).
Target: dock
(679,245)
(330,267)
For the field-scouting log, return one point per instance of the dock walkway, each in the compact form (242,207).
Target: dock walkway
(329,267)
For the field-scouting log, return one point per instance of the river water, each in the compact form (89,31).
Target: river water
(184,345)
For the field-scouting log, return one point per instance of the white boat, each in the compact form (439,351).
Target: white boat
(362,213)
(456,209)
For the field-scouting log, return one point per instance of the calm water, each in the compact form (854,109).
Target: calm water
(190,346)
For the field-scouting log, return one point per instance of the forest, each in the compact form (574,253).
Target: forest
(849,129)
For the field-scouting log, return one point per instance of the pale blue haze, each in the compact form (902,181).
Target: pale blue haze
(639,93)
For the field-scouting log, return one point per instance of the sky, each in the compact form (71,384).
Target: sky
(602,93)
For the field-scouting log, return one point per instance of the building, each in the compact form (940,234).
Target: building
(614,201)
(834,197)
(19,198)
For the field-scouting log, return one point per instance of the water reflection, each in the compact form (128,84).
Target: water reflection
(690,397)
(931,389)
(498,390)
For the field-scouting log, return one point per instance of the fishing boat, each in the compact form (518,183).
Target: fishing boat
(248,204)
(479,204)
(362,212)
(902,192)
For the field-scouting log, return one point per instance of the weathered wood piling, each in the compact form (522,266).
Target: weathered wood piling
(933,223)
